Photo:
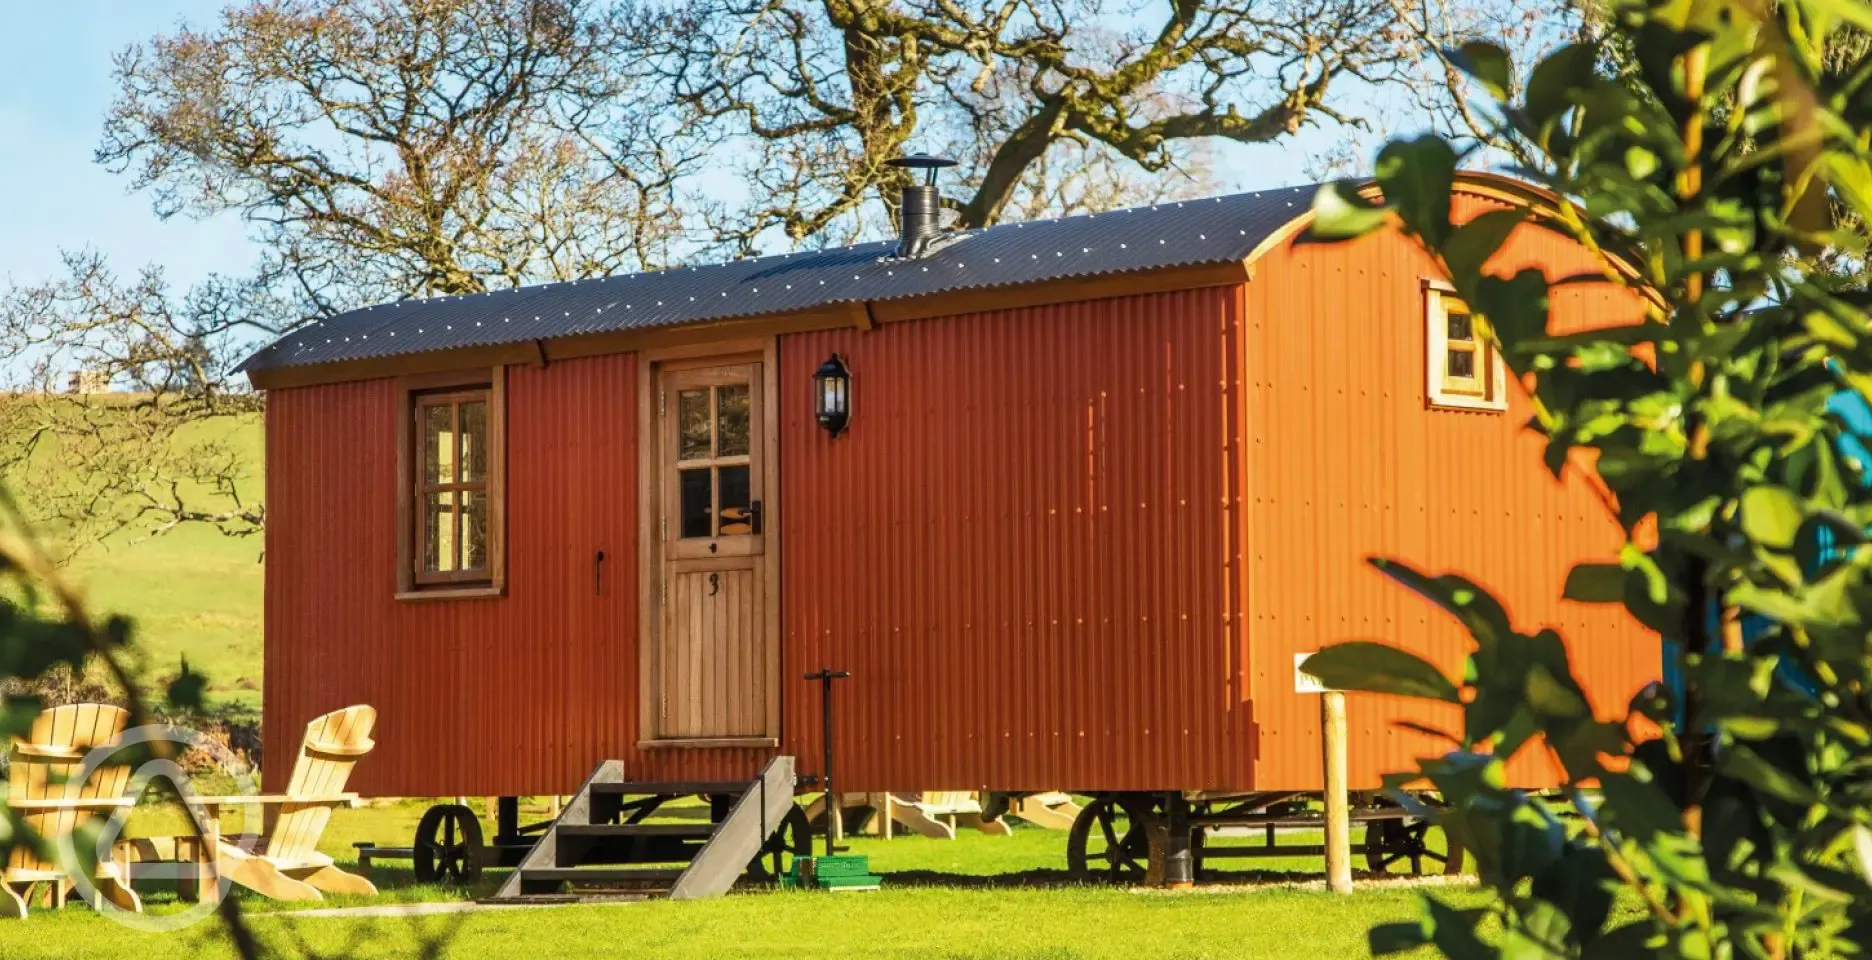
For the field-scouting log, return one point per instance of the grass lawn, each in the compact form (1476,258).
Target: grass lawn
(976,896)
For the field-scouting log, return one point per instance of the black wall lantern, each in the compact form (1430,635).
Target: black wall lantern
(832,394)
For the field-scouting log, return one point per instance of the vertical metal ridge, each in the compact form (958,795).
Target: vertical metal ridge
(1011,603)
(1346,461)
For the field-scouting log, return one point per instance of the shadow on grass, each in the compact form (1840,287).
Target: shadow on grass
(1051,878)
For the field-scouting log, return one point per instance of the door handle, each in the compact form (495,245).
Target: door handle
(754,517)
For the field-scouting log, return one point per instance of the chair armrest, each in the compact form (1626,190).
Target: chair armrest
(24,749)
(74,803)
(341,750)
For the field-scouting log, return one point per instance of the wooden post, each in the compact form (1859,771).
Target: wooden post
(1338,819)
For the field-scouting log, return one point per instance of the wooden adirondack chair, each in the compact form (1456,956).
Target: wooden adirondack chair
(920,813)
(286,864)
(1054,811)
(43,787)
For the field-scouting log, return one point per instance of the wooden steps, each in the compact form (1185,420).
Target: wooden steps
(601,847)
(700,831)
(605,875)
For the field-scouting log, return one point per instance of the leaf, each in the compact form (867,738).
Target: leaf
(1862,849)
(1552,83)
(1379,668)
(1488,64)
(1742,762)
(1637,808)
(1417,176)
(1771,515)
(1540,934)
(1516,306)
(1531,840)
(1481,613)
(1595,583)
(1823,538)
(1579,884)
(1339,213)
(1552,698)
(1428,731)
(1473,243)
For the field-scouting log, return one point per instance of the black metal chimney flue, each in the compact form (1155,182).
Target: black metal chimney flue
(920,215)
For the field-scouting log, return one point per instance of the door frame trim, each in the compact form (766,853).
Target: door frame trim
(650,366)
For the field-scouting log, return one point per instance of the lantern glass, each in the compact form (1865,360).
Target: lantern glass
(833,380)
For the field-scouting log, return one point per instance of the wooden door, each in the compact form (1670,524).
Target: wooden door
(713,669)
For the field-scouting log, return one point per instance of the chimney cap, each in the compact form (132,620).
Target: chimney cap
(921,161)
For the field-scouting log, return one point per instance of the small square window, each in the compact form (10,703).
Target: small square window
(1464,372)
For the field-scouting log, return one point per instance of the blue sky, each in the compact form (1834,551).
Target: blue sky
(55,85)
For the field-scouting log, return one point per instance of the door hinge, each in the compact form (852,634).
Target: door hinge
(662,402)
(665,522)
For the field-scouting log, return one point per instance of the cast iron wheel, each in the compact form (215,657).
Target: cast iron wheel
(793,838)
(1110,841)
(448,845)
(1404,844)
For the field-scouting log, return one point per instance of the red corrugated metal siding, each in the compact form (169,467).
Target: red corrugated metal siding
(1345,461)
(517,695)
(1030,548)
(1021,549)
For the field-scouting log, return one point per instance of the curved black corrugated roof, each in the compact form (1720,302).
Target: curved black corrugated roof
(1178,234)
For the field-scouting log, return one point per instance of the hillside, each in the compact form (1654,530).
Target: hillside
(193,593)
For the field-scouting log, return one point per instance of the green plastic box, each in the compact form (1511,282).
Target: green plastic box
(847,873)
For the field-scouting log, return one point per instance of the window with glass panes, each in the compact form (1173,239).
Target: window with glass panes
(714,462)
(453,487)
(1465,373)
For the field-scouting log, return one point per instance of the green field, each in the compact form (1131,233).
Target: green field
(193,592)
(973,897)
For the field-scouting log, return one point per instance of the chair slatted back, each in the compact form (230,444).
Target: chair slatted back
(333,743)
(948,800)
(46,764)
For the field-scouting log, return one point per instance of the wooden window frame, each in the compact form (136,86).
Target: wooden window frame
(682,379)
(412,391)
(1487,390)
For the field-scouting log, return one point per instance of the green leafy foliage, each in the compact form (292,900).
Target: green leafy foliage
(1377,667)
(1713,158)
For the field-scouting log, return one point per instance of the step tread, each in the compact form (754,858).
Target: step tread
(678,788)
(695,830)
(600,874)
